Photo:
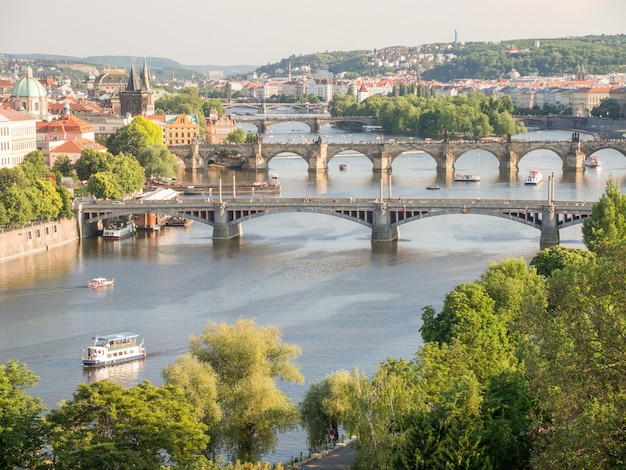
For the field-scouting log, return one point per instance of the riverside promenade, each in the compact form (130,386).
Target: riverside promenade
(337,458)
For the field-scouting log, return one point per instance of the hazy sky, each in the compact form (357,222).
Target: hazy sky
(256,32)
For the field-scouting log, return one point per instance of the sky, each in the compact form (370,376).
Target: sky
(258,32)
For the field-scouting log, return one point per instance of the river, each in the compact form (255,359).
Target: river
(346,303)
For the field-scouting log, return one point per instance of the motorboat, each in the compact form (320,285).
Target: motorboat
(433,187)
(119,230)
(593,161)
(178,221)
(97,282)
(534,177)
(466,177)
(113,349)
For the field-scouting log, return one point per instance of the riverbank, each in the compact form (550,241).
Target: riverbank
(36,237)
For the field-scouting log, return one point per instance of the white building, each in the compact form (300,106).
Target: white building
(18,137)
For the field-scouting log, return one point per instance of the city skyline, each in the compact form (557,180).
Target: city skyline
(195,32)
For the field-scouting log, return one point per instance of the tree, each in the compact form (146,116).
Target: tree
(34,165)
(246,361)
(326,405)
(129,174)
(213,106)
(21,433)
(48,199)
(237,136)
(608,108)
(605,229)
(575,361)
(107,426)
(19,209)
(157,160)
(104,186)
(63,165)
(198,382)
(91,162)
(135,137)
(558,257)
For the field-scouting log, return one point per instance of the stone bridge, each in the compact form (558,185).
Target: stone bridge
(383,217)
(256,156)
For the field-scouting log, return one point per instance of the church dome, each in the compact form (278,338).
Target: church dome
(28,87)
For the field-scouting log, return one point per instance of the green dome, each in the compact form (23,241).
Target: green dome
(28,87)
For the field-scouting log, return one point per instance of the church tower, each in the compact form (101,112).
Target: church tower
(138,98)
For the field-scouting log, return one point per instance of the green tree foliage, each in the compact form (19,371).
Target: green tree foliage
(475,407)
(46,198)
(21,433)
(608,108)
(12,177)
(135,137)
(91,162)
(605,229)
(462,116)
(237,136)
(129,174)
(575,361)
(63,165)
(246,361)
(558,257)
(157,160)
(212,106)
(110,176)
(326,406)
(104,186)
(34,166)
(18,206)
(107,426)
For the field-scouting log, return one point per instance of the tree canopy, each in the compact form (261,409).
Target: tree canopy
(243,361)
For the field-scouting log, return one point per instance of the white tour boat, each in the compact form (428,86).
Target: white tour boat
(113,349)
(469,177)
(119,230)
(534,177)
(593,161)
(100,282)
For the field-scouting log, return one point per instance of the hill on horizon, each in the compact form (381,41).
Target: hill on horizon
(114,61)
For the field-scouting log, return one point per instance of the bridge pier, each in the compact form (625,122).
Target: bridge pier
(383,165)
(574,160)
(222,228)
(382,231)
(549,231)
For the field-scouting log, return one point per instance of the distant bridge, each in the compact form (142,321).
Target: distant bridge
(256,156)
(264,107)
(383,217)
(315,123)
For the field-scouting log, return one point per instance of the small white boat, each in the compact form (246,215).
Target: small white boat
(113,349)
(593,161)
(467,177)
(100,282)
(534,177)
(433,187)
(119,230)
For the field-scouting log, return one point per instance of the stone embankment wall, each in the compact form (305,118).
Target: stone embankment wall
(36,237)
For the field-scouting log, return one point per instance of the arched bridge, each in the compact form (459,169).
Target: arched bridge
(382,217)
(264,106)
(256,156)
(315,123)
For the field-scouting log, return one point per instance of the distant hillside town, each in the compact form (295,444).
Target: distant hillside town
(44,108)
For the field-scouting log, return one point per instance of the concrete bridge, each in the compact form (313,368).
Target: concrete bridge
(264,107)
(256,156)
(383,217)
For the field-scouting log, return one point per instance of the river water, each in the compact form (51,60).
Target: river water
(346,303)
